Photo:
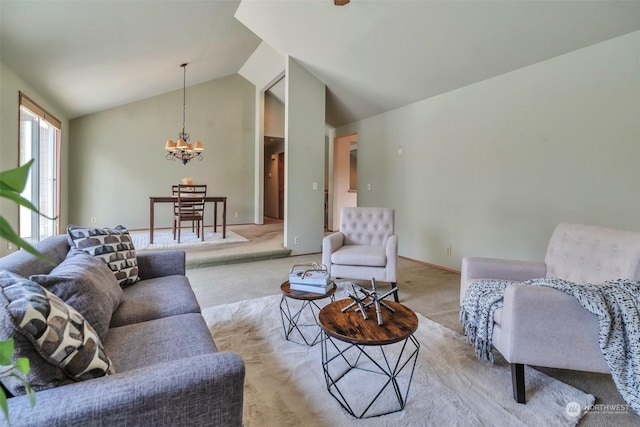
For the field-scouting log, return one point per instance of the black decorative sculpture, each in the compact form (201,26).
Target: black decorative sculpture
(374,298)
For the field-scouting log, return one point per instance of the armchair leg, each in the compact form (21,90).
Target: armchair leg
(394,285)
(517,377)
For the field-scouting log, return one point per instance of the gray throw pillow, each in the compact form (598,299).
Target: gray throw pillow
(59,343)
(111,245)
(86,284)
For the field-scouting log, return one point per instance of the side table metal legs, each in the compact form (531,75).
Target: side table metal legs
(301,325)
(369,381)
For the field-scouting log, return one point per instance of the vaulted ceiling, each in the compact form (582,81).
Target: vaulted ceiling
(373,56)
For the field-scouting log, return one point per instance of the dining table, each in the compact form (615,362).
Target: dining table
(173,199)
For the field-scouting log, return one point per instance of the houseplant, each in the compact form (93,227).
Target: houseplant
(12,184)
(17,369)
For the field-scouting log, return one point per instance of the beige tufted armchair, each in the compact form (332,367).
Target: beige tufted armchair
(365,248)
(541,326)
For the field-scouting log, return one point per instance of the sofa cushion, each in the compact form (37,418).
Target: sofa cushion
(42,374)
(86,284)
(161,340)
(24,264)
(111,245)
(497,316)
(155,298)
(56,330)
(371,256)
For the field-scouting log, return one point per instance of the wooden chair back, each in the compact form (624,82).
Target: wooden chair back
(190,201)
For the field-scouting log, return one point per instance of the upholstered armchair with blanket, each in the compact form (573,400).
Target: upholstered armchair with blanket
(365,248)
(542,326)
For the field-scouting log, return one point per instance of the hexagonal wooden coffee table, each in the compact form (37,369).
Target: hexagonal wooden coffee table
(368,367)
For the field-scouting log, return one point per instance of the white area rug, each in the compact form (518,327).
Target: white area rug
(163,239)
(285,385)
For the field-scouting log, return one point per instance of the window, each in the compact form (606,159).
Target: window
(39,140)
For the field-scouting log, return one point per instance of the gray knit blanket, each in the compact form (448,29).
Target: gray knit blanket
(616,303)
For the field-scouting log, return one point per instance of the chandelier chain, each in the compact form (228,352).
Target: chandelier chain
(184,97)
(183,150)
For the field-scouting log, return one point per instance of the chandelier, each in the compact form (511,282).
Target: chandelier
(183,150)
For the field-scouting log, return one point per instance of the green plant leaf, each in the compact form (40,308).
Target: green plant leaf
(6,232)
(12,184)
(3,404)
(6,352)
(16,179)
(18,199)
(23,364)
(30,393)
(27,387)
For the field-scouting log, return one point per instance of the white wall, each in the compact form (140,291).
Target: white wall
(491,168)
(304,162)
(264,67)
(118,158)
(10,85)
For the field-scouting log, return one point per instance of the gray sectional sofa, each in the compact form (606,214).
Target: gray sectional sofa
(168,371)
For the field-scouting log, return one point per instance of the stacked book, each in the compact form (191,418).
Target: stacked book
(310,278)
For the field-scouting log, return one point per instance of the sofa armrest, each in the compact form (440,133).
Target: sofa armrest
(200,390)
(330,244)
(391,252)
(474,268)
(161,263)
(546,327)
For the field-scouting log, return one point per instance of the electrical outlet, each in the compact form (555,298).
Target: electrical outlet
(235,214)
(296,240)
(9,246)
(315,185)
(447,250)
(93,220)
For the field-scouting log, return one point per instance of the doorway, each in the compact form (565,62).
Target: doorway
(345,175)
(274,177)
(274,151)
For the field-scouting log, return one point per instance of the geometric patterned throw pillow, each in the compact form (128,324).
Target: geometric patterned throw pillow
(58,332)
(86,284)
(111,245)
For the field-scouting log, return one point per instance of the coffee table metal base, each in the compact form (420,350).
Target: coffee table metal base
(359,377)
(294,330)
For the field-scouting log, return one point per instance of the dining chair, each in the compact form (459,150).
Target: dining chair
(189,206)
(174,193)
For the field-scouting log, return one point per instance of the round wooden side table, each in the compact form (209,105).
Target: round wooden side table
(300,321)
(368,367)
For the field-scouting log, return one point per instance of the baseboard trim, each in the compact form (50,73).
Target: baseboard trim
(428,264)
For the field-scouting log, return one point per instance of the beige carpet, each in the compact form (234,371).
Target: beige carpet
(285,385)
